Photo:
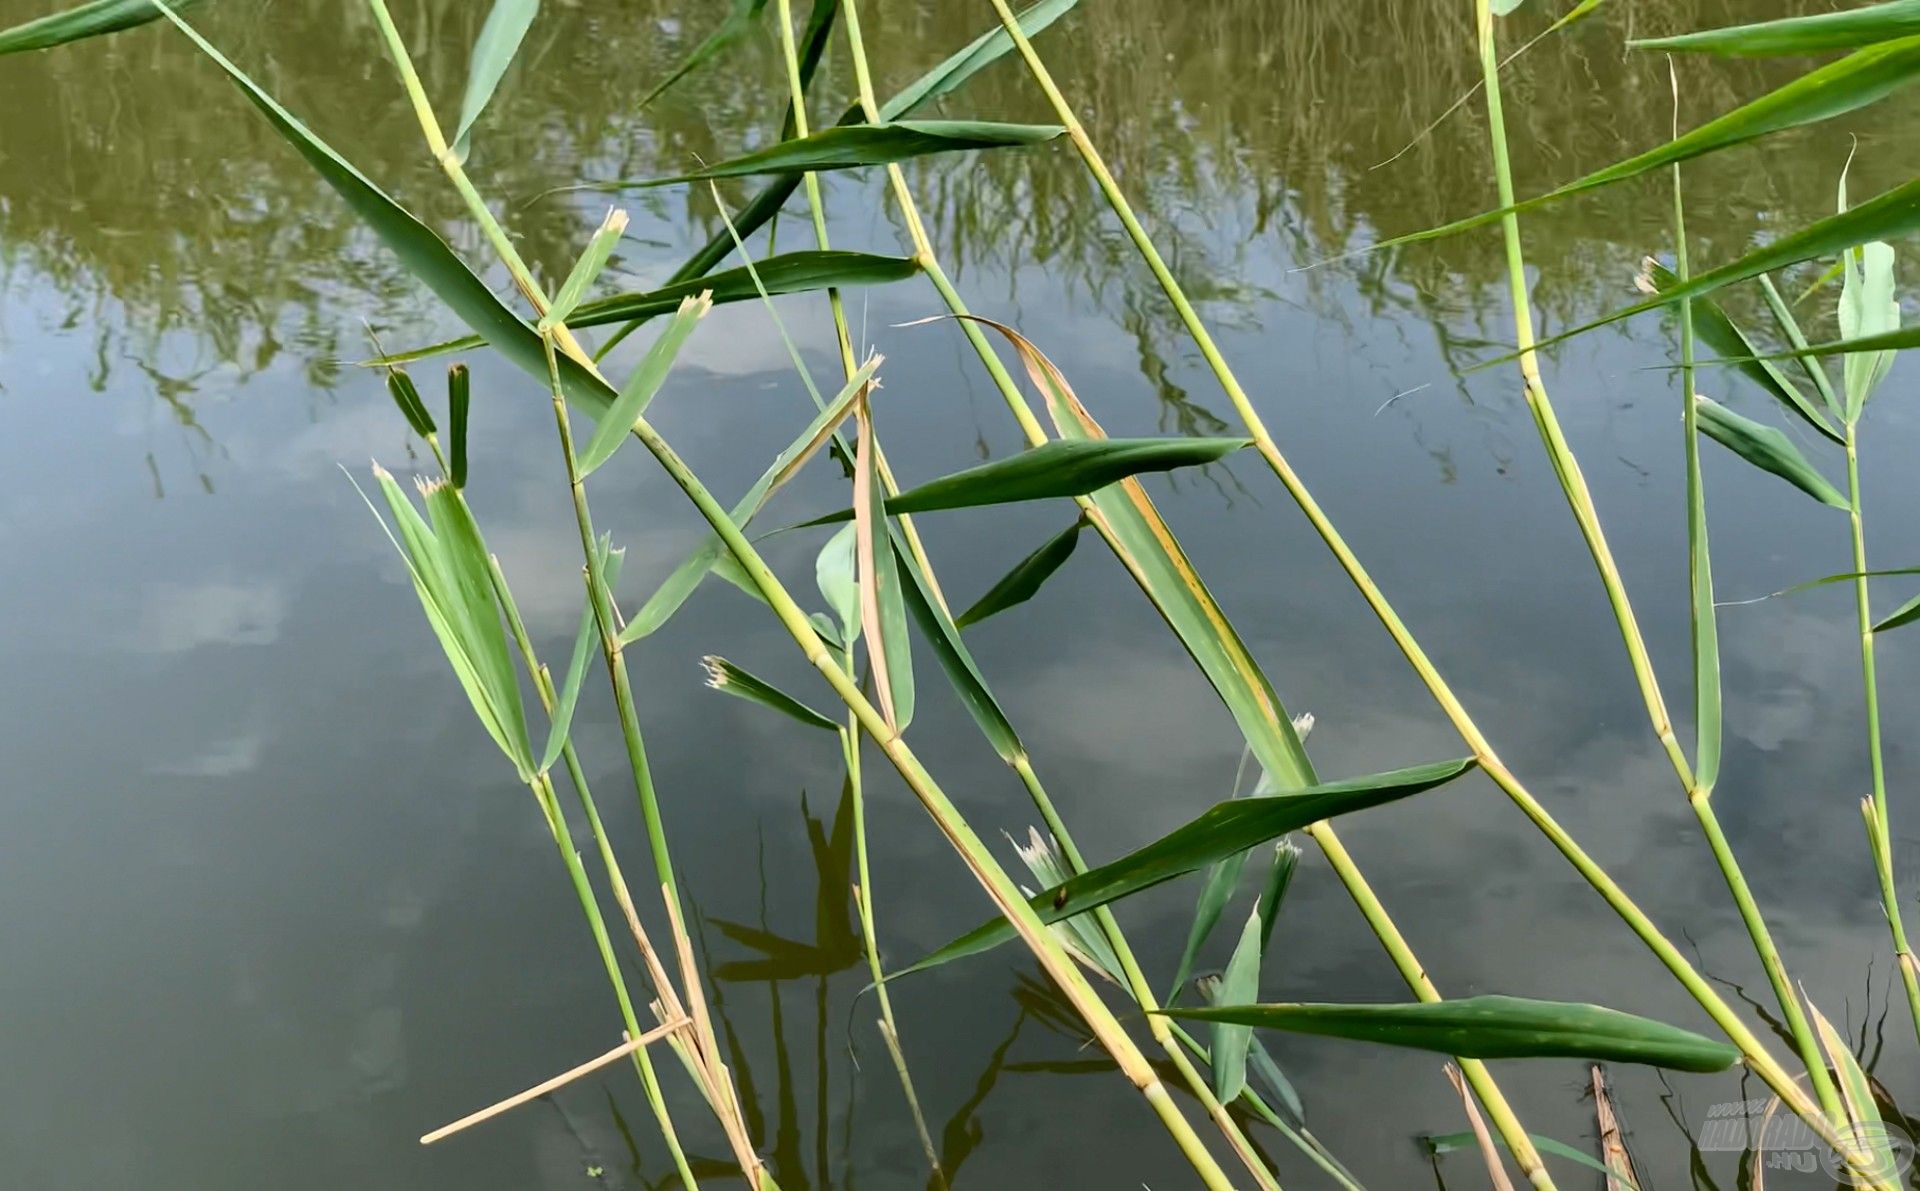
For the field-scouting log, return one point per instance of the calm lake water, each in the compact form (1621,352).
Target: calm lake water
(273,905)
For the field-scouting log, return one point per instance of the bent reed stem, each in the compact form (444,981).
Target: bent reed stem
(1757,1056)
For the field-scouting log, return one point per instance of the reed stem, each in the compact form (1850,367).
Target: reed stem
(979,859)
(1879,835)
(1707,696)
(1758,1058)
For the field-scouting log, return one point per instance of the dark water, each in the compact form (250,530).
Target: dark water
(272,906)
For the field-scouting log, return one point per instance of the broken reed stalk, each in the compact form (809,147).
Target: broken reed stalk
(704,1061)
(1756,1054)
(556,819)
(557,1082)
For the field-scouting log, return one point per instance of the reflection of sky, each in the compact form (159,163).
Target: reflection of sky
(277,908)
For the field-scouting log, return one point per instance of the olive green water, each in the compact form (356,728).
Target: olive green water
(271,907)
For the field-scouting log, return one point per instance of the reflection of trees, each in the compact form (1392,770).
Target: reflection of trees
(134,184)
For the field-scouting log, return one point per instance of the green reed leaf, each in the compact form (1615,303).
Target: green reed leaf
(1223,879)
(477,610)
(852,146)
(1239,985)
(1798,35)
(1065,467)
(1702,613)
(401,388)
(883,613)
(1447,1143)
(493,51)
(584,640)
(1492,1027)
(79,23)
(1713,328)
(1789,328)
(1887,216)
(430,569)
(1906,613)
(1228,828)
(1867,307)
(724,676)
(1286,861)
(1081,936)
(459,401)
(833,573)
(956,661)
(1767,449)
(681,582)
(943,79)
(738,23)
(812,47)
(423,252)
(1869,1131)
(640,388)
(1856,81)
(1021,583)
(788,273)
(585,271)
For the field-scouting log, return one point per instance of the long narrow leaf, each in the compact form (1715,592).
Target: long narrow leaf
(1703,616)
(1722,334)
(1239,985)
(478,610)
(583,641)
(493,51)
(459,401)
(680,583)
(1021,583)
(883,614)
(788,273)
(726,677)
(642,385)
(585,271)
(1789,327)
(1226,829)
(1493,1027)
(955,659)
(1798,35)
(1869,1131)
(1856,81)
(1065,468)
(1867,307)
(81,22)
(736,25)
(1887,216)
(943,79)
(423,252)
(1906,613)
(1448,1143)
(853,146)
(1767,449)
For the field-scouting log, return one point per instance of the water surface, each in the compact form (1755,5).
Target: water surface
(274,906)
